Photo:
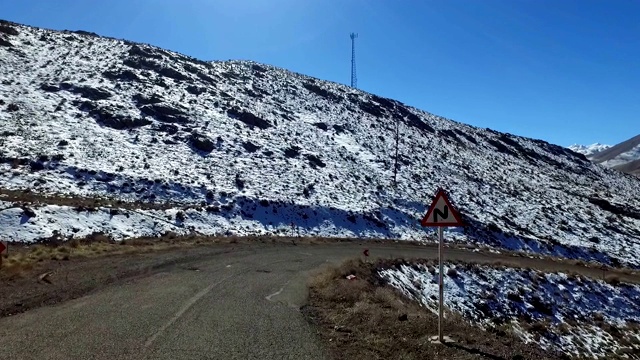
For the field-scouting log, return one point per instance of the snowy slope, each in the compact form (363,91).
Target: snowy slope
(589,150)
(265,147)
(568,313)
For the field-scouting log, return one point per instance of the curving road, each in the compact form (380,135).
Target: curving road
(240,304)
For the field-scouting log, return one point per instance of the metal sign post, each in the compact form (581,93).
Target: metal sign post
(4,247)
(440,214)
(441,282)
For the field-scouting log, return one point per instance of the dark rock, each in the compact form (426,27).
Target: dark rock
(123,75)
(63,143)
(201,142)
(8,30)
(167,128)
(250,147)
(388,104)
(172,73)
(49,87)
(230,75)
(136,50)
(501,147)
(5,43)
(322,92)
(371,108)
(450,135)
(190,68)
(351,218)
(469,138)
(12,107)
(28,212)
(307,190)
(403,317)
(165,113)
(86,33)
(413,120)
(143,100)
(292,151)
(315,161)
(239,182)
(195,90)
(106,117)
(150,64)
(622,210)
(206,78)
(121,122)
(258,68)
(87,91)
(321,125)
(36,166)
(339,129)
(248,118)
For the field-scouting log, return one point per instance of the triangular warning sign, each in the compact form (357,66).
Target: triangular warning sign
(441,212)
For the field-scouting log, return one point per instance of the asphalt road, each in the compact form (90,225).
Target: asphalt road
(242,304)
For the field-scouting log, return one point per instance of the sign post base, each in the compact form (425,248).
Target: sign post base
(445,340)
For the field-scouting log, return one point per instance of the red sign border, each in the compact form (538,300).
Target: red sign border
(442,193)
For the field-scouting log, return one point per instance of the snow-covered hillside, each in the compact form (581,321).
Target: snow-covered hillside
(567,313)
(258,147)
(588,150)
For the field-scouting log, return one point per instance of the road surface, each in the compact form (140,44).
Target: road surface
(241,304)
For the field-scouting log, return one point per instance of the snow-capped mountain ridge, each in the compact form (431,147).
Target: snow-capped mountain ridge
(624,156)
(257,148)
(589,150)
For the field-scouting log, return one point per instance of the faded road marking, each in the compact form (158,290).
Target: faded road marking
(277,292)
(182,310)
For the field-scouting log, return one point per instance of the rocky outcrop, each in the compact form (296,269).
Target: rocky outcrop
(248,118)
(201,142)
(165,113)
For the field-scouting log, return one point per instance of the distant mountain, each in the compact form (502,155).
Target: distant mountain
(237,147)
(624,156)
(588,150)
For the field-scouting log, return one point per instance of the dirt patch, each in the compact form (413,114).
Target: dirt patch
(364,319)
(28,196)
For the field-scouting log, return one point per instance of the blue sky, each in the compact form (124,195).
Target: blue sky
(566,71)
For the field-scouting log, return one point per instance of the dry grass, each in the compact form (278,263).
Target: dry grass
(365,319)
(23,259)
